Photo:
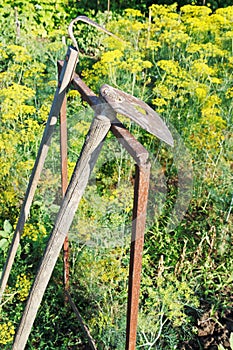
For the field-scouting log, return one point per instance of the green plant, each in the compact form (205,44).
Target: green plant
(6,236)
(179,60)
(220,347)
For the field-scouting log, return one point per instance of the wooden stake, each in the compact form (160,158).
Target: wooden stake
(65,78)
(98,130)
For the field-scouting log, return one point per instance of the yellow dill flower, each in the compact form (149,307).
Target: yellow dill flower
(199,26)
(162,91)
(3,54)
(213,100)
(229,34)
(14,101)
(201,69)
(36,70)
(135,65)
(160,103)
(174,37)
(163,10)
(169,66)
(215,80)
(137,26)
(20,53)
(219,21)
(226,13)
(73,93)
(209,112)
(33,232)
(230,61)
(208,132)
(44,112)
(7,331)
(195,11)
(23,285)
(229,93)
(153,45)
(201,92)
(133,13)
(113,56)
(207,50)
(30,231)
(112,44)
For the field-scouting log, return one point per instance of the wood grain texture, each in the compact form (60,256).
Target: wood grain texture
(98,130)
(65,78)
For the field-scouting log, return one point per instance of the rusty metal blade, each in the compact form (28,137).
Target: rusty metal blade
(138,111)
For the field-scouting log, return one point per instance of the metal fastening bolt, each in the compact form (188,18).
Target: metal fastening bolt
(67,58)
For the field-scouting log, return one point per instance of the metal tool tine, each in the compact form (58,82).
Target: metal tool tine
(92,23)
(138,111)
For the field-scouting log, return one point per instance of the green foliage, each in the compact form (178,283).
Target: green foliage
(6,235)
(220,347)
(180,62)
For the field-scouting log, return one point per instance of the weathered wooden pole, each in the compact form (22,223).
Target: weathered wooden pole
(92,146)
(65,78)
(64,184)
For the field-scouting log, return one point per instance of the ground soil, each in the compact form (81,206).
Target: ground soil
(213,330)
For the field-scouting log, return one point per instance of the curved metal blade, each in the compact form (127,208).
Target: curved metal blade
(138,111)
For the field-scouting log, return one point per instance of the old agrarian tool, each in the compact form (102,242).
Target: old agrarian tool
(91,149)
(71,60)
(138,111)
(111,101)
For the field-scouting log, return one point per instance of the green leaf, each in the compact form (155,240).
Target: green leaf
(3,243)
(7,226)
(231,341)
(4,234)
(220,347)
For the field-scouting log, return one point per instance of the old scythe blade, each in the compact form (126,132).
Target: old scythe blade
(138,111)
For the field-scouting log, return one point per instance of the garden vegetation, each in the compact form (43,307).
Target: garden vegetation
(177,59)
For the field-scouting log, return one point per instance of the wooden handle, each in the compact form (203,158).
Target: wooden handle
(66,75)
(92,146)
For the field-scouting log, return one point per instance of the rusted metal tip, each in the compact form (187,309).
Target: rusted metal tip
(87,20)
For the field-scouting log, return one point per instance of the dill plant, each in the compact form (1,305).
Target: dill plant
(180,62)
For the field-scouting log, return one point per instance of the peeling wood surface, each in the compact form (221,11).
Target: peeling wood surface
(98,130)
(66,76)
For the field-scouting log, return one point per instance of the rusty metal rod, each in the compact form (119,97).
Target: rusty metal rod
(140,155)
(141,188)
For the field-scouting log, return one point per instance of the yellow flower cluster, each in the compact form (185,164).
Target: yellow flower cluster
(135,65)
(14,102)
(201,92)
(34,231)
(208,133)
(23,285)
(133,13)
(111,56)
(170,297)
(229,93)
(206,50)
(169,66)
(20,127)
(164,11)
(201,69)
(20,53)
(7,331)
